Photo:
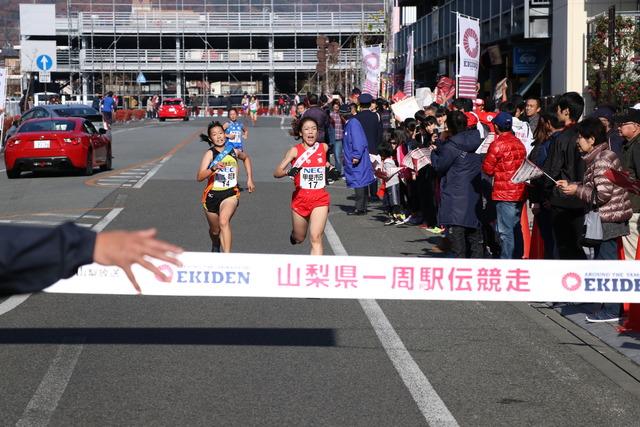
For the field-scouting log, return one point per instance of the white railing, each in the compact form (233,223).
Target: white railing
(190,22)
(197,59)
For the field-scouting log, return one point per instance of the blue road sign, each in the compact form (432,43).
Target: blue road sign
(141,79)
(44,62)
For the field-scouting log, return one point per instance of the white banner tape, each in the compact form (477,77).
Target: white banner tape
(350,277)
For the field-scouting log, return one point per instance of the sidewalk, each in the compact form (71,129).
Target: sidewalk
(627,343)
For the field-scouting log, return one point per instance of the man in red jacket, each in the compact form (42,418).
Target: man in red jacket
(506,154)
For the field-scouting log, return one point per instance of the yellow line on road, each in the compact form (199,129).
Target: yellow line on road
(93,182)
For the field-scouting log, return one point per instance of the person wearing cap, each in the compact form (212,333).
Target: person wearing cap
(629,125)
(372,126)
(358,173)
(605,114)
(505,155)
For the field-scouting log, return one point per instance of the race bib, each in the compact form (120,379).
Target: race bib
(312,177)
(225,178)
(235,136)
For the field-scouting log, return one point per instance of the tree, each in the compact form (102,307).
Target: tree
(625,76)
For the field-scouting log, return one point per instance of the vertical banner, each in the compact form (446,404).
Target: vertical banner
(408,70)
(3,100)
(468,56)
(371,63)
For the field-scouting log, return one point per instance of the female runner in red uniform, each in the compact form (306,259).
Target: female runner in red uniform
(219,166)
(310,201)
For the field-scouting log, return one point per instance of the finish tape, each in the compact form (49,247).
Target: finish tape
(352,277)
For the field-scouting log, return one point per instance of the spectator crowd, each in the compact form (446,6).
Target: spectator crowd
(466,194)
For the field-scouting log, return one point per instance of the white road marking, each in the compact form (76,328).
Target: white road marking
(140,174)
(3,170)
(102,224)
(84,225)
(429,403)
(12,302)
(45,400)
(91,216)
(152,172)
(15,300)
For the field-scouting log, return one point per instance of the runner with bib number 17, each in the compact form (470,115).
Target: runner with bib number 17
(310,200)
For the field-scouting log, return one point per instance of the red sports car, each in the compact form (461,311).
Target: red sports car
(57,143)
(173,108)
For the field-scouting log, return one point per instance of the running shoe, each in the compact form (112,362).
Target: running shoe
(602,316)
(435,230)
(403,219)
(390,221)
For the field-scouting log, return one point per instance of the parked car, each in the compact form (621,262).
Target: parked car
(57,143)
(173,108)
(59,110)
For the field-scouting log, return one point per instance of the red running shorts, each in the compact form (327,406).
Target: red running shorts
(303,202)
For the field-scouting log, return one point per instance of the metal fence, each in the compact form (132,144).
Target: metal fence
(189,22)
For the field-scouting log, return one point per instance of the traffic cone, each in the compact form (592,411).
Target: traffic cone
(526,233)
(536,249)
(631,312)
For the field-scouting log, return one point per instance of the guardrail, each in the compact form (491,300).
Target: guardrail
(365,20)
(200,59)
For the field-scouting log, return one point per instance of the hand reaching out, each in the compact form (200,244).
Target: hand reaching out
(125,248)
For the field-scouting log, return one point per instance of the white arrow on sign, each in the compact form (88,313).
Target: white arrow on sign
(44,62)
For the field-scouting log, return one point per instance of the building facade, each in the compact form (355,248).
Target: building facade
(514,35)
(539,45)
(212,47)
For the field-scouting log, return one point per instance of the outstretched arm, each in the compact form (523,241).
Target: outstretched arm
(33,258)
(246,160)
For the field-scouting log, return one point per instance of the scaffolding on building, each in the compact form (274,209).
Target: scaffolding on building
(188,47)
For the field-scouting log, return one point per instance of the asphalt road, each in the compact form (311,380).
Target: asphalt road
(126,360)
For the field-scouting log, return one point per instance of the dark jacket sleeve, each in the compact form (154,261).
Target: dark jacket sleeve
(443,158)
(32,258)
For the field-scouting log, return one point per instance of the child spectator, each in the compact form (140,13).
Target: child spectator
(392,185)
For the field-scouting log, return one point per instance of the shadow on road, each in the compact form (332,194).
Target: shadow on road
(291,337)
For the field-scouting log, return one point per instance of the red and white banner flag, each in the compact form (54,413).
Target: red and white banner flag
(468,56)
(622,179)
(408,69)
(528,170)
(371,63)
(445,90)
(417,159)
